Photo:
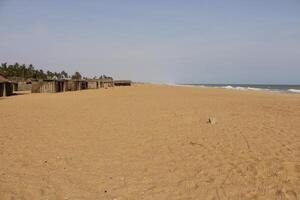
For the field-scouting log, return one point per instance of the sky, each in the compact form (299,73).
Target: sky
(163,41)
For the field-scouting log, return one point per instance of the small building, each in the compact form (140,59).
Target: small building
(25,85)
(48,86)
(52,86)
(82,84)
(6,87)
(106,82)
(15,86)
(122,83)
(71,85)
(93,84)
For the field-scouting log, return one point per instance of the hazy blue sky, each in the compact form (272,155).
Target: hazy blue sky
(213,41)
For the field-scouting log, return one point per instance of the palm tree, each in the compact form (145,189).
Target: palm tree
(76,76)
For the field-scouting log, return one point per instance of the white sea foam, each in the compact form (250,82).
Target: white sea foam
(259,89)
(234,88)
(245,88)
(294,90)
(228,87)
(255,89)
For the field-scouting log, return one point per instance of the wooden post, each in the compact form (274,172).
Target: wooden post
(4,89)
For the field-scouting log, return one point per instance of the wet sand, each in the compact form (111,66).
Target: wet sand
(150,142)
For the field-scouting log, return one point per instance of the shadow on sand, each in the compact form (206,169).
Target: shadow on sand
(21,93)
(16,94)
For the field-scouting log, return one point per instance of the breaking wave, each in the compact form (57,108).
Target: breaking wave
(244,88)
(294,90)
(253,87)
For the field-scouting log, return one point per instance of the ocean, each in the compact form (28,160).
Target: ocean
(256,87)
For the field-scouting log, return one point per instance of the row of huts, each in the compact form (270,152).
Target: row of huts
(52,86)
(64,85)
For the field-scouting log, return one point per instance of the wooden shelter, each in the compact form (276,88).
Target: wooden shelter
(93,84)
(73,85)
(106,82)
(25,85)
(6,87)
(122,83)
(83,85)
(52,86)
(48,86)
(15,86)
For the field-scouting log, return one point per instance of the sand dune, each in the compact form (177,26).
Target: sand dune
(150,142)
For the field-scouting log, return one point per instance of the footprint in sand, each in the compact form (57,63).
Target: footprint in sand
(291,195)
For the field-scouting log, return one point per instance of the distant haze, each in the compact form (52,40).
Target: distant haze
(171,41)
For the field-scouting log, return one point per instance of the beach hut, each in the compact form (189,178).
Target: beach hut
(15,86)
(48,86)
(106,82)
(6,87)
(73,85)
(83,85)
(122,83)
(93,84)
(25,85)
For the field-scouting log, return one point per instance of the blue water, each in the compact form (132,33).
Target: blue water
(256,87)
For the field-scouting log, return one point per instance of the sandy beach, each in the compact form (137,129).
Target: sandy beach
(150,142)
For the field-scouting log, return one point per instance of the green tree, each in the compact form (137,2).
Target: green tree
(76,76)
(64,74)
(23,71)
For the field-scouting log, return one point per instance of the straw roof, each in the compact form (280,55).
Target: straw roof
(3,79)
(122,81)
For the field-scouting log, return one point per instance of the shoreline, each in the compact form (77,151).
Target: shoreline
(239,88)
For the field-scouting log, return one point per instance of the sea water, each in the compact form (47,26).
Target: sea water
(256,87)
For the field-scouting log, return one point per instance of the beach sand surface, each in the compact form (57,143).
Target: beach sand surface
(150,142)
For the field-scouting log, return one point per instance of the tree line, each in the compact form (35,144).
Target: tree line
(23,72)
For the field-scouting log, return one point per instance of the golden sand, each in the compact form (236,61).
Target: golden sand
(150,142)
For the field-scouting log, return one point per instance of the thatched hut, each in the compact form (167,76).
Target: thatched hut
(6,87)
(15,86)
(25,85)
(83,84)
(73,85)
(48,86)
(93,84)
(106,82)
(122,83)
